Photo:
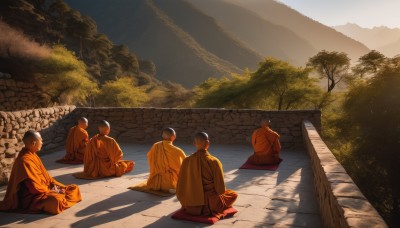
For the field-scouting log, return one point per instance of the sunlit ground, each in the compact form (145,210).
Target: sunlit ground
(282,198)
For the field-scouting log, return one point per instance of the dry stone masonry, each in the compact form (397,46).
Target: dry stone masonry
(340,200)
(16,95)
(13,126)
(223,125)
(144,125)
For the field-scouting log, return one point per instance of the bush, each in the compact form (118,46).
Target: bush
(121,93)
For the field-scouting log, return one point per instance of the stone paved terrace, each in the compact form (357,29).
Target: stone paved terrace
(282,198)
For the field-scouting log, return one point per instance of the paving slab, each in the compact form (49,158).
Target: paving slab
(282,198)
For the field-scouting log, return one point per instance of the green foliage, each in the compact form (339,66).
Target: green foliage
(369,149)
(170,94)
(54,22)
(369,63)
(275,85)
(121,93)
(64,78)
(333,66)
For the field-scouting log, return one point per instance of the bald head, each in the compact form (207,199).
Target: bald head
(265,122)
(104,127)
(201,136)
(32,140)
(201,141)
(168,134)
(83,122)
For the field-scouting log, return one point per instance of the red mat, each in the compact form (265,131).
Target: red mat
(248,165)
(182,215)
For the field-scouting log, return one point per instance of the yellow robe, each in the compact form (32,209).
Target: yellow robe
(29,188)
(201,187)
(103,158)
(165,162)
(266,147)
(75,146)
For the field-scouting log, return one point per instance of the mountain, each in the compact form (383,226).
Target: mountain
(391,50)
(383,39)
(191,40)
(54,22)
(186,45)
(260,34)
(317,34)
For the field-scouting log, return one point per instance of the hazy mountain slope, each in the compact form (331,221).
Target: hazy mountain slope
(267,38)
(205,30)
(378,38)
(391,49)
(187,57)
(319,35)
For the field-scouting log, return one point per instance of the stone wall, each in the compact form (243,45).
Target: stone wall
(341,202)
(222,125)
(144,125)
(13,125)
(16,95)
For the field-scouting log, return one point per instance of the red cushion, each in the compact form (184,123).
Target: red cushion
(249,165)
(182,215)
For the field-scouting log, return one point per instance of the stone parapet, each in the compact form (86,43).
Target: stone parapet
(13,126)
(340,200)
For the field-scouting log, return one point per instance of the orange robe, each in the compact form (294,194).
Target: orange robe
(75,147)
(266,147)
(165,162)
(103,158)
(29,188)
(201,187)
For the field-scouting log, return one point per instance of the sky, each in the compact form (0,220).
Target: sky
(366,13)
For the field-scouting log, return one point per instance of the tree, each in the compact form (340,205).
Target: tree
(288,86)
(121,93)
(369,63)
(275,85)
(372,109)
(333,66)
(64,78)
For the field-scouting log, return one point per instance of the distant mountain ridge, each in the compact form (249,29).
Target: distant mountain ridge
(383,39)
(191,40)
(185,56)
(317,34)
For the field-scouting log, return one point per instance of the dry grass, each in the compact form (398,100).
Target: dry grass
(15,44)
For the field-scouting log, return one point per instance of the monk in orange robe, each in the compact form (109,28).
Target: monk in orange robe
(77,140)
(266,145)
(165,162)
(201,187)
(103,156)
(31,189)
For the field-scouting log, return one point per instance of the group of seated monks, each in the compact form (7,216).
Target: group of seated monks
(197,180)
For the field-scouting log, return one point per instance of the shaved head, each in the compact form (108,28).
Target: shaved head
(32,141)
(265,121)
(201,136)
(201,141)
(168,133)
(104,123)
(82,120)
(31,136)
(104,127)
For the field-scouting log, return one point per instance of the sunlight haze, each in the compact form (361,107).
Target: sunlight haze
(366,13)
